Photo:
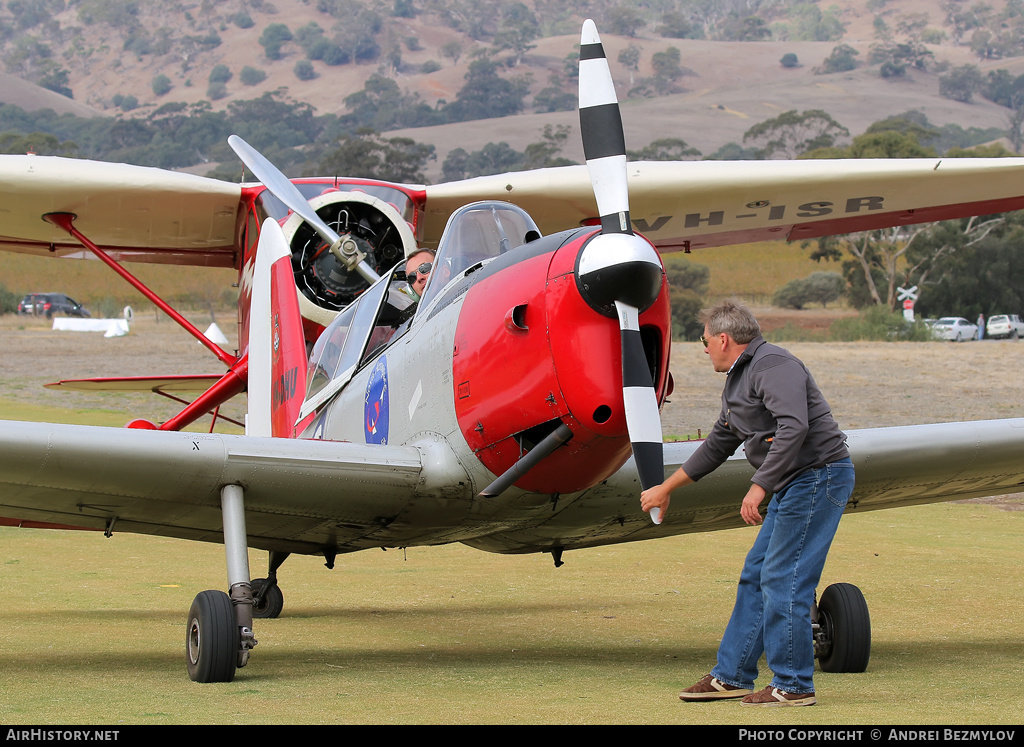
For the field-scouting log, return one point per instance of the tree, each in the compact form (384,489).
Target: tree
(274,36)
(554,99)
(486,94)
(687,284)
(251,76)
(370,155)
(664,149)
(818,287)
(981,269)
(842,59)
(40,143)
(220,74)
(304,70)
(544,153)
(791,133)
(961,83)
(789,60)
(666,69)
(452,50)
(624,21)
(629,58)
(518,28)
(161,84)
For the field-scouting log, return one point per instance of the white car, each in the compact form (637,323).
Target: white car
(1004,325)
(954,328)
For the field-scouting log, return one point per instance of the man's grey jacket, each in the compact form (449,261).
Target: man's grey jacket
(772,406)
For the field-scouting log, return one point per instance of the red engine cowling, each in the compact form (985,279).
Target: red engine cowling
(530,353)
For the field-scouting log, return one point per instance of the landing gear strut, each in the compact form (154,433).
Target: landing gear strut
(219,633)
(842,629)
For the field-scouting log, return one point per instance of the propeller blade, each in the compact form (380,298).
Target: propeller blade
(643,421)
(282,188)
(619,273)
(601,128)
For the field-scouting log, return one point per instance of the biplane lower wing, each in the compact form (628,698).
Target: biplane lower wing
(315,496)
(170,383)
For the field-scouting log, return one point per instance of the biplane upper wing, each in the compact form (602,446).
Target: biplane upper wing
(134,212)
(309,496)
(147,214)
(690,204)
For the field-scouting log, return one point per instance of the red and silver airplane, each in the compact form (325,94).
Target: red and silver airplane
(513,408)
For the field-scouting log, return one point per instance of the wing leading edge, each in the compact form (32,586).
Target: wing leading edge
(903,466)
(300,496)
(694,204)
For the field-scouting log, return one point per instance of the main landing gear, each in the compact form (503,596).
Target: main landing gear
(219,635)
(842,629)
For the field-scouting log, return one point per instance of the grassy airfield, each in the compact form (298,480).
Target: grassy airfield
(92,629)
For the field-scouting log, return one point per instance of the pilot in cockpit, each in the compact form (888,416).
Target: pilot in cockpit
(418,268)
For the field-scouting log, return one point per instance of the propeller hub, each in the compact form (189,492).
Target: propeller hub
(618,267)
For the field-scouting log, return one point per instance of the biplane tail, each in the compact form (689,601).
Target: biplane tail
(277,349)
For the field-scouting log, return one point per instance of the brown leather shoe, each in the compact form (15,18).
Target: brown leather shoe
(773,696)
(711,689)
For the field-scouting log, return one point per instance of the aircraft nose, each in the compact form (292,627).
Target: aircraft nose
(618,267)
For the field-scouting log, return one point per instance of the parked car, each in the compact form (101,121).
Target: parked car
(1004,325)
(48,304)
(954,328)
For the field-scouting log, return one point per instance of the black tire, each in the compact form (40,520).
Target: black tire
(846,629)
(272,603)
(211,638)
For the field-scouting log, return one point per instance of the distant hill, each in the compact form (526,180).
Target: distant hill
(107,51)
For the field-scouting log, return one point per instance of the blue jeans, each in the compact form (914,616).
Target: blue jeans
(776,590)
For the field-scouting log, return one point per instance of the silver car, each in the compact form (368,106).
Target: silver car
(954,328)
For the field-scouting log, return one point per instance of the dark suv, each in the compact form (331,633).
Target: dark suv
(48,304)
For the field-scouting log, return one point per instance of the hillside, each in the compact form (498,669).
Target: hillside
(108,50)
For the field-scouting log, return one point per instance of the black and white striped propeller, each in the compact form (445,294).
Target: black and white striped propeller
(618,273)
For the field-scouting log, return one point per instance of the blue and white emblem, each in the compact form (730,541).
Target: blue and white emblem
(376,412)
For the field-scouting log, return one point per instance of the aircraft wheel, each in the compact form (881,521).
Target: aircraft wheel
(272,601)
(211,638)
(843,643)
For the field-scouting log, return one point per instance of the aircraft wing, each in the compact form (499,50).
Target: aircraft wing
(903,466)
(133,212)
(169,383)
(691,204)
(304,496)
(300,496)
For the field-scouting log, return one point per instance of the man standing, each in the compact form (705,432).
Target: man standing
(772,407)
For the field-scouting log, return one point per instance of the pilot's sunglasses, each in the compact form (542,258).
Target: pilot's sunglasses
(423,269)
(703,341)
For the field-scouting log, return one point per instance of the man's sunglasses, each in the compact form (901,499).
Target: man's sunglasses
(423,269)
(703,340)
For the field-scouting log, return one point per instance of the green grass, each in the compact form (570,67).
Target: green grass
(93,630)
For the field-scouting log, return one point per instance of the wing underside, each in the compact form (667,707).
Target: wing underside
(896,467)
(300,496)
(312,496)
(691,204)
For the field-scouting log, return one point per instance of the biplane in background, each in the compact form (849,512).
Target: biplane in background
(513,408)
